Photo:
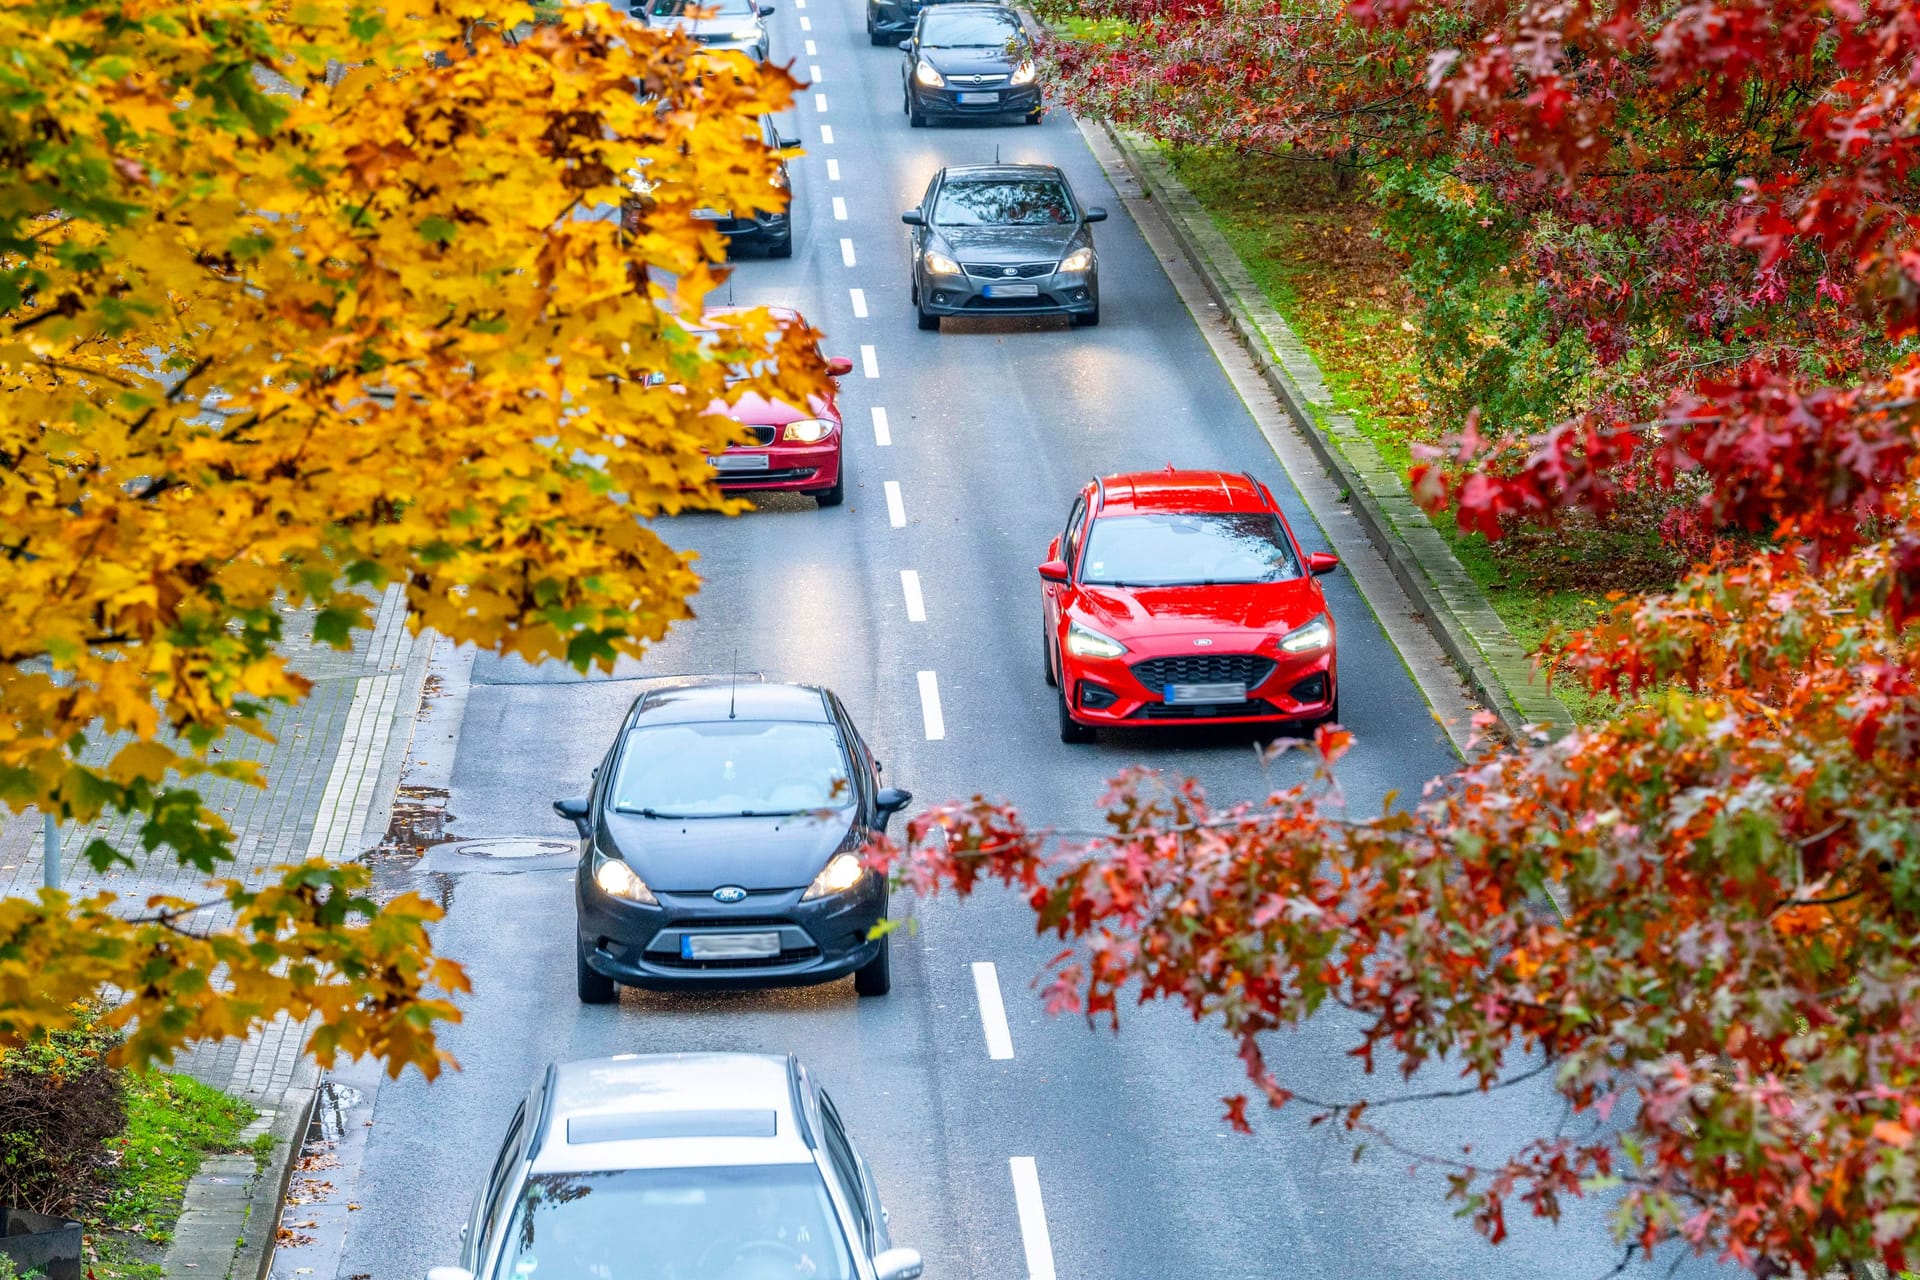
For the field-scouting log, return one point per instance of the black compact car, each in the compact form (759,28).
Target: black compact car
(969,60)
(1003,239)
(721,844)
(889,20)
(770,232)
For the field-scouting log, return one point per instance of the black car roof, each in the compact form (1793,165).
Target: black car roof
(971,171)
(722,697)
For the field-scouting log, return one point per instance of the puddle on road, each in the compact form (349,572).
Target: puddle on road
(419,823)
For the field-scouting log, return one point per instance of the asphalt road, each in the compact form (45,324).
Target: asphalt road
(991,427)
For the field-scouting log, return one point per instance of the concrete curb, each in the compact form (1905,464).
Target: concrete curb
(1495,665)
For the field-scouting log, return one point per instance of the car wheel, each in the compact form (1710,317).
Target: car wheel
(1033,116)
(928,322)
(1046,660)
(873,33)
(1072,730)
(875,977)
(838,494)
(915,117)
(1088,319)
(781,248)
(595,988)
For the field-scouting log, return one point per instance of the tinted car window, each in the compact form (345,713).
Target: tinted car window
(968,30)
(1170,550)
(1004,202)
(676,1224)
(731,767)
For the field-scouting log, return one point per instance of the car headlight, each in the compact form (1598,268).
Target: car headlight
(1078,260)
(779,179)
(842,872)
(744,33)
(618,880)
(927,76)
(806,431)
(941,265)
(1024,73)
(1305,639)
(1084,642)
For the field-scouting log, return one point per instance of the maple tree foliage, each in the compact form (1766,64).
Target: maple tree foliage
(1698,919)
(299,301)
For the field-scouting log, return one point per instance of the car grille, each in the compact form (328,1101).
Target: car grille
(761,435)
(1215,711)
(715,37)
(998,270)
(978,81)
(1212,668)
(793,955)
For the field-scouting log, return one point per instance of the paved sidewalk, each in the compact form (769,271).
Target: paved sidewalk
(330,779)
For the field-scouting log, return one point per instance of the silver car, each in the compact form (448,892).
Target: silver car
(713,1166)
(724,26)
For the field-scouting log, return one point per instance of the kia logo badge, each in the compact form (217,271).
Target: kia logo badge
(1010,271)
(729,893)
(1203,641)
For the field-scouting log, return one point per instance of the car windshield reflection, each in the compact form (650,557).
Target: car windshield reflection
(1004,202)
(1188,550)
(730,768)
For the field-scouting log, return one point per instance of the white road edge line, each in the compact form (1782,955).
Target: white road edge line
(811,51)
(993,1011)
(839,209)
(936,730)
(882,434)
(846,251)
(896,509)
(1033,1218)
(826,135)
(917,612)
(869,362)
(820,102)
(833,171)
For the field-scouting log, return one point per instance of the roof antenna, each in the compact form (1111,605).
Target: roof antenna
(729,288)
(996,153)
(733,681)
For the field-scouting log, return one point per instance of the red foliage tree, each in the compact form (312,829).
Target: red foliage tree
(1701,917)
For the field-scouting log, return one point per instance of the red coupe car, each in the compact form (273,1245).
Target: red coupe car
(791,448)
(1182,597)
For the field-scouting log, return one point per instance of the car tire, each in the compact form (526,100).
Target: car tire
(838,494)
(1071,730)
(874,36)
(595,988)
(1046,660)
(915,117)
(1033,117)
(781,248)
(875,977)
(929,323)
(1088,319)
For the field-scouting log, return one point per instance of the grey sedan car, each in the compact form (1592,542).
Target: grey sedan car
(1003,239)
(709,1166)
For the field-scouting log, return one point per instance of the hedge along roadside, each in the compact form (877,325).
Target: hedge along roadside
(1498,668)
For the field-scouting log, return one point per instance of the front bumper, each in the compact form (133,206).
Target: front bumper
(1062,293)
(639,946)
(760,229)
(945,104)
(789,467)
(1299,688)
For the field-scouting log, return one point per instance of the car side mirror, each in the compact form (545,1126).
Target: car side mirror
(461,1273)
(1054,571)
(892,800)
(907,45)
(839,366)
(898,1264)
(1096,214)
(786,143)
(1319,562)
(913,218)
(766,9)
(575,809)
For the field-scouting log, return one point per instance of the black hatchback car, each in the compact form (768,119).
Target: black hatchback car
(721,844)
(969,60)
(1003,239)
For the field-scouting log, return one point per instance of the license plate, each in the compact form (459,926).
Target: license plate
(739,462)
(1190,694)
(1012,290)
(978,99)
(729,946)
(712,215)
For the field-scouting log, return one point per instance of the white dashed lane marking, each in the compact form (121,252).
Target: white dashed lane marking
(936,730)
(896,509)
(813,71)
(1033,1218)
(826,135)
(806,23)
(869,362)
(859,297)
(917,612)
(882,434)
(811,51)
(833,171)
(839,209)
(993,1011)
(820,102)
(846,251)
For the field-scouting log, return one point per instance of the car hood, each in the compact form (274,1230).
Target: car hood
(969,62)
(698,855)
(1009,244)
(1249,612)
(756,411)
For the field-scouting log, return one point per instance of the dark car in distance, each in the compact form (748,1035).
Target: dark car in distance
(721,844)
(969,60)
(889,20)
(1003,239)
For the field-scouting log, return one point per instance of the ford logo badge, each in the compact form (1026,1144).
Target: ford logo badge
(729,893)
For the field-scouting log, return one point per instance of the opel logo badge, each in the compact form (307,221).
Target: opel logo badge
(729,893)
(1202,641)
(1009,271)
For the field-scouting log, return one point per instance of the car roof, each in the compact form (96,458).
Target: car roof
(670,1111)
(704,699)
(1168,491)
(710,314)
(972,171)
(950,7)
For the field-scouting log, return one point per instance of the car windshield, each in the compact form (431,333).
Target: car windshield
(1004,202)
(675,1224)
(729,768)
(968,31)
(1187,550)
(716,9)
(713,339)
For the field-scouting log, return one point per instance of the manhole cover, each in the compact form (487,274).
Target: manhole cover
(514,848)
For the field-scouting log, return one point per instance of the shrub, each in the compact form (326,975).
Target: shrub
(60,1101)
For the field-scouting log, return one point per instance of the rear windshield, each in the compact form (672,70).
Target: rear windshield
(1187,550)
(1004,202)
(731,768)
(968,30)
